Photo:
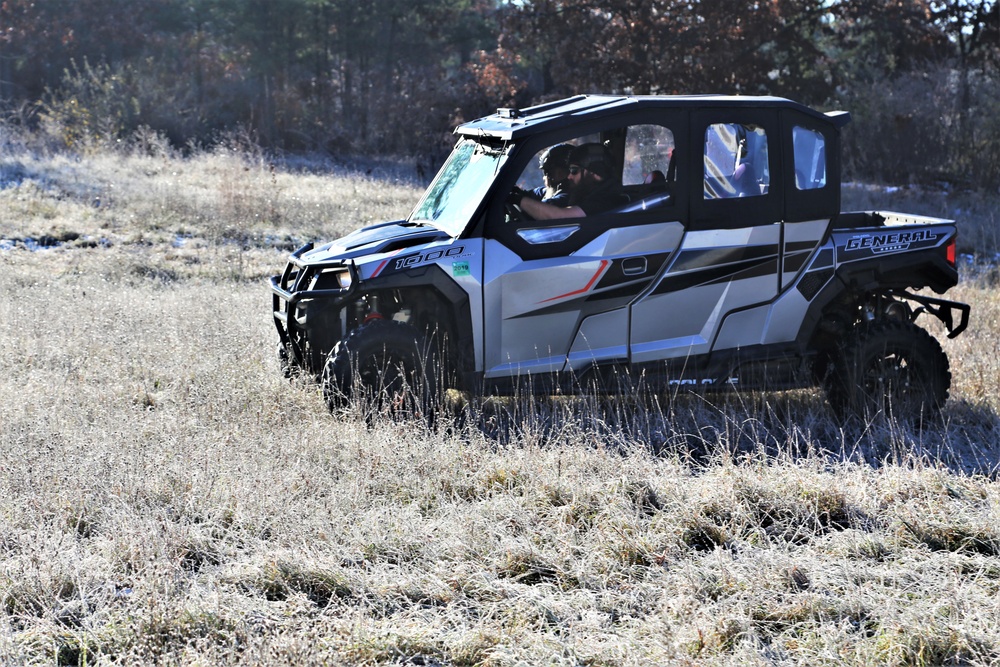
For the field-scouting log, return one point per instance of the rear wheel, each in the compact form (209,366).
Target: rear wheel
(388,364)
(892,369)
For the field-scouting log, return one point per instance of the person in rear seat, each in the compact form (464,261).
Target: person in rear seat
(654,177)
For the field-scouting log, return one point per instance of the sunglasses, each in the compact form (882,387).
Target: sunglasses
(574,170)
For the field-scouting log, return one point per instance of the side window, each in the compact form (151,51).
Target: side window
(648,151)
(619,170)
(546,175)
(736,162)
(810,158)
(644,160)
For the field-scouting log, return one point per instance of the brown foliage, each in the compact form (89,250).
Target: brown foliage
(668,46)
(393,76)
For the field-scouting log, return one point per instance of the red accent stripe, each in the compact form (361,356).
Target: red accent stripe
(585,288)
(381,266)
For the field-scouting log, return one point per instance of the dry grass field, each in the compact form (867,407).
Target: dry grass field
(167,498)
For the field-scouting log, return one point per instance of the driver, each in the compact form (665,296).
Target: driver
(554,164)
(592,188)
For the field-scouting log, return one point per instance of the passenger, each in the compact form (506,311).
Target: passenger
(592,188)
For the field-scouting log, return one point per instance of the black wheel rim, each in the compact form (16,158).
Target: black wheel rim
(892,383)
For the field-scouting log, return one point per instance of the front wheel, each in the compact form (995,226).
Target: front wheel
(892,369)
(389,364)
(286,363)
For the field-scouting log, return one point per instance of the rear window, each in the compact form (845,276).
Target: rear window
(810,158)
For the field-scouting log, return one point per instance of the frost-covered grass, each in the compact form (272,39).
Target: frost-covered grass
(167,498)
(213,197)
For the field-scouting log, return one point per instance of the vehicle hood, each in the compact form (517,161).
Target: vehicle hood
(375,239)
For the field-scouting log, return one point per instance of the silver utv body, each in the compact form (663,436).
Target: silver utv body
(736,268)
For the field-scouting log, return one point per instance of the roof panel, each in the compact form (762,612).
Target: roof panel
(514,123)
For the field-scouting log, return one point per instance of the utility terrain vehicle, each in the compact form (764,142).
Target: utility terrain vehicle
(727,264)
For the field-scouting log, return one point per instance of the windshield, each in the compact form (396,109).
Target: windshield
(459,187)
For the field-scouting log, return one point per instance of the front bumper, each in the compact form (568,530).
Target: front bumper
(309,321)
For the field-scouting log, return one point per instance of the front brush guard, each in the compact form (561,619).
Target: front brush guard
(295,293)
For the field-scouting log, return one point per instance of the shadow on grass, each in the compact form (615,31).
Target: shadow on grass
(704,429)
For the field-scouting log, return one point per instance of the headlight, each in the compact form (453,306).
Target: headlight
(337,278)
(344,279)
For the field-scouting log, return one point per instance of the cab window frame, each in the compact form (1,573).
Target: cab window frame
(735,212)
(592,226)
(802,205)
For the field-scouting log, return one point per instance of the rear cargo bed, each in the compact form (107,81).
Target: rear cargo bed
(860,219)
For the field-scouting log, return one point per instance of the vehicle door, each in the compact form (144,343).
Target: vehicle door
(728,261)
(811,201)
(556,292)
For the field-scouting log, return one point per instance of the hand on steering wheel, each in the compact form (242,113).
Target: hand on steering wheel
(512,205)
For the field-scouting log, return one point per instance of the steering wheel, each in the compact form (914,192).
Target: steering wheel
(512,213)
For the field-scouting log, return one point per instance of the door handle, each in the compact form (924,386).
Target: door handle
(634,266)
